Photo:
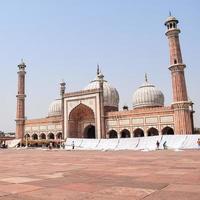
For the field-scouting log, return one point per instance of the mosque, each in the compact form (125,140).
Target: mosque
(93,112)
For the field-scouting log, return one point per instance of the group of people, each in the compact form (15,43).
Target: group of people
(164,145)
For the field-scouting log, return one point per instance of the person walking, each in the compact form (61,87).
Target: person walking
(158,144)
(165,145)
(73,145)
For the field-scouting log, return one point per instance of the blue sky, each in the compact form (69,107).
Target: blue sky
(66,39)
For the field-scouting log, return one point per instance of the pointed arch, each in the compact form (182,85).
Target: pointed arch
(112,134)
(138,132)
(152,131)
(59,135)
(167,131)
(34,136)
(125,133)
(42,136)
(27,136)
(78,117)
(51,136)
(80,110)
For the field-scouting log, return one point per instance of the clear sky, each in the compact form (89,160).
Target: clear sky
(65,39)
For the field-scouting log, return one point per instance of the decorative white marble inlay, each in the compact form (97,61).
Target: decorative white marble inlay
(59,127)
(137,120)
(35,128)
(51,127)
(28,128)
(150,120)
(43,128)
(111,123)
(91,102)
(124,122)
(167,119)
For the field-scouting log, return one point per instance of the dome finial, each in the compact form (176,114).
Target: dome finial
(170,14)
(146,78)
(98,70)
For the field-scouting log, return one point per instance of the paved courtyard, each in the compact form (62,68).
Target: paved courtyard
(120,175)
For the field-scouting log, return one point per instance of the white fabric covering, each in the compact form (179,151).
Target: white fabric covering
(141,143)
(107,144)
(148,143)
(13,143)
(89,143)
(127,143)
(191,142)
(77,142)
(173,141)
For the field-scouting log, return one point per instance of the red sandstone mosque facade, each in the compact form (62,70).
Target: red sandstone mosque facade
(94,111)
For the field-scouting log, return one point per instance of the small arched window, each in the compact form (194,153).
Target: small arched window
(175,61)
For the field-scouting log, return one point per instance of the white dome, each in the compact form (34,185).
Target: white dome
(55,108)
(148,95)
(111,96)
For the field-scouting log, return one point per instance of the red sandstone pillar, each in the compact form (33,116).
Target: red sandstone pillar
(20,115)
(181,105)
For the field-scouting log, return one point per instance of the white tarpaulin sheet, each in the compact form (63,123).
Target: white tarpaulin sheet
(127,143)
(142,143)
(190,142)
(77,142)
(89,143)
(13,143)
(173,141)
(107,144)
(148,143)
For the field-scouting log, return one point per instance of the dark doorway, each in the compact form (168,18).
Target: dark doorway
(152,132)
(138,133)
(167,131)
(43,136)
(90,132)
(125,134)
(112,134)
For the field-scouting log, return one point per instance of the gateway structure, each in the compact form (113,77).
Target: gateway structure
(94,112)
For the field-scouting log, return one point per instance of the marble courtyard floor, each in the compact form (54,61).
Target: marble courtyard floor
(120,175)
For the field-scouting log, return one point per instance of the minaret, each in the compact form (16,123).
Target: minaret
(181,105)
(62,93)
(20,115)
(101,95)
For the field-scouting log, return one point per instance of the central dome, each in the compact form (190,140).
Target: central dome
(147,95)
(111,96)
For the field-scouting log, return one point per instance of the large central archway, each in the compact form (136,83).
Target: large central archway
(79,117)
